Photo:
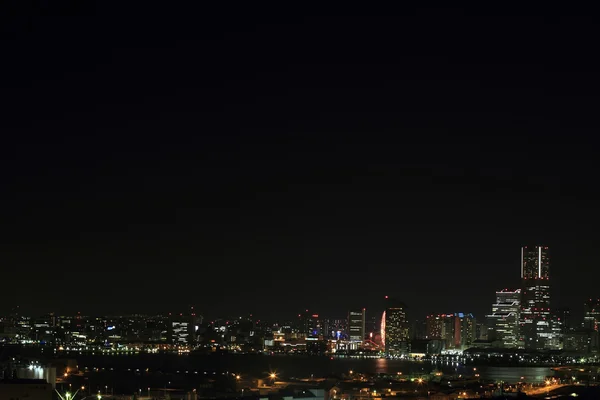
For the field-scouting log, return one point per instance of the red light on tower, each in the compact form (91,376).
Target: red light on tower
(387,297)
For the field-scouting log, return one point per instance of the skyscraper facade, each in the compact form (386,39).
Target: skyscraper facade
(458,330)
(434,323)
(591,314)
(356,324)
(395,329)
(535,327)
(505,317)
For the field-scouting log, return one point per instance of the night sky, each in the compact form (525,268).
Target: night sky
(270,160)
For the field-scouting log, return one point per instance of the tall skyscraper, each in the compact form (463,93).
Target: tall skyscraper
(356,325)
(394,328)
(536,332)
(504,319)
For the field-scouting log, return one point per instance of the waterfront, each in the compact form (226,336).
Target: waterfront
(258,366)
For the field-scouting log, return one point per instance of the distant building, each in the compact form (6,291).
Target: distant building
(418,329)
(373,324)
(356,324)
(564,315)
(394,328)
(504,319)
(581,341)
(309,325)
(458,330)
(481,331)
(591,314)
(180,331)
(535,330)
(433,326)
(183,328)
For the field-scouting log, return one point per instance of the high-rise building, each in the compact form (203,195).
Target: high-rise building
(356,324)
(394,328)
(564,315)
(458,330)
(535,330)
(373,324)
(591,314)
(418,329)
(309,325)
(434,324)
(183,328)
(504,319)
(180,331)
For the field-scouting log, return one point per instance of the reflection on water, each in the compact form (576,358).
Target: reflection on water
(381,367)
(506,374)
(303,366)
(514,374)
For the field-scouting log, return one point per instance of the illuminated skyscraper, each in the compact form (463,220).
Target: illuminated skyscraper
(434,324)
(395,328)
(535,327)
(505,317)
(356,324)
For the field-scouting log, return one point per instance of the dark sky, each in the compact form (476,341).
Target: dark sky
(268,160)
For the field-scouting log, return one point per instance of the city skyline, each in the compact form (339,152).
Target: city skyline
(256,202)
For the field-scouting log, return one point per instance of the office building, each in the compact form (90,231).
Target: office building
(535,327)
(183,328)
(591,314)
(309,324)
(581,341)
(458,330)
(504,319)
(394,329)
(373,324)
(433,326)
(555,341)
(356,325)
(564,316)
(418,329)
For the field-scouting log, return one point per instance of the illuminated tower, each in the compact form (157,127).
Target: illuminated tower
(536,331)
(395,328)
